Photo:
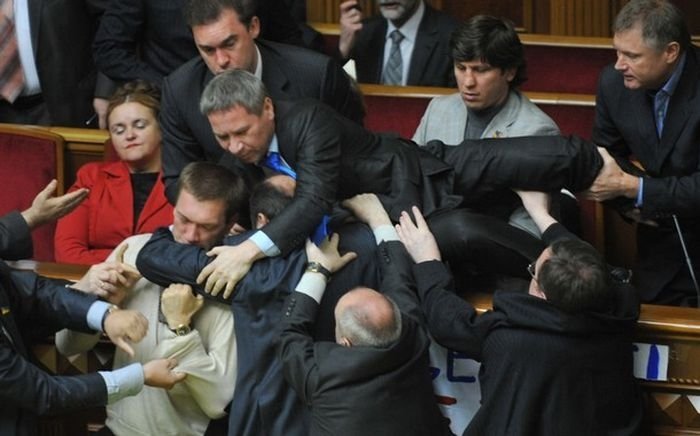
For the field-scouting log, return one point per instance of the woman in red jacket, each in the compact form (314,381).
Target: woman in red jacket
(127,196)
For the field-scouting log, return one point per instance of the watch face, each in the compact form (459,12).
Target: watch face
(182,330)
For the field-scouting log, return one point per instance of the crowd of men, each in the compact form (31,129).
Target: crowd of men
(233,322)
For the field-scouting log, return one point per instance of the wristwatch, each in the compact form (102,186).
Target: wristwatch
(182,330)
(318,268)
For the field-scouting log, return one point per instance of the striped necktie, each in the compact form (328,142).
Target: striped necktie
(11,76)
(274,162)
(393,70)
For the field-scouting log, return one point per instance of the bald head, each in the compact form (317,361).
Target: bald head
(364,317)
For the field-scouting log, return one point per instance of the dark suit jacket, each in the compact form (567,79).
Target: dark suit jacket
(263,402)
(335,159)
(542,371)
(149,39)
(62,33)
(625,125)
(29,303)
(288,73)
(431,62)
(15,237)
(351,390)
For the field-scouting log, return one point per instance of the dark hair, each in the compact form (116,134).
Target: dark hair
(661,23)
(575,278)
(208,181)
(267,199)
(199,12)
(491,40)
(138,91)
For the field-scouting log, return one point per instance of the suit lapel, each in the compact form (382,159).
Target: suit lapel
(273,76)
(643,112)
(427,39)
(35,7)
(679,109)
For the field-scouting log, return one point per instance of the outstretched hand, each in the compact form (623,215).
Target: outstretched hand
(612,181)
(110,280)
(46,207)
(327,254)
(417,238)
(232,263)
(537,205)
(368,209)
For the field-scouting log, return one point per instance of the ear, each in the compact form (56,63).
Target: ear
(509,74)
(261,220)
(672,51)
(254,27)
(268,109)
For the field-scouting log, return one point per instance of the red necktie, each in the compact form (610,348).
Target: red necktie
(11,77)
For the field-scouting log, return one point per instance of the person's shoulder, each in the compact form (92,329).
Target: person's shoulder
(291,53)
(91,170)
(188,73)
(437,16)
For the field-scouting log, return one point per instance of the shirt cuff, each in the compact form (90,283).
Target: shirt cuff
(123,382)
(265,244)
(640,193)
(313,285)
(96,314)
(385,233)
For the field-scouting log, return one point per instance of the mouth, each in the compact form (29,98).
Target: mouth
(128,146)
(389,5)
(470,97)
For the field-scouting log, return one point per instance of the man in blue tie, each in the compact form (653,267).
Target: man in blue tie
(334,159)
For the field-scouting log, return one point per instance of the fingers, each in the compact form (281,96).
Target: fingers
(121,249)
(204,276)
(48,190)
(418,216)
(121,343)
(217,284)
(230,286)
(348,257)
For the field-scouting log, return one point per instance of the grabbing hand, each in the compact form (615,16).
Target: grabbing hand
(350,25)
(124,326)
(417,238)
(110,280)
(160,373)
(368,209)
(229,267)
(179,304)
(327,254)
(611,181)
(46,207)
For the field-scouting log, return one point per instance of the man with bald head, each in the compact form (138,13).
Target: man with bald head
(375,375)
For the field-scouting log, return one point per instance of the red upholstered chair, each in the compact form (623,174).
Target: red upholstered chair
(30,157)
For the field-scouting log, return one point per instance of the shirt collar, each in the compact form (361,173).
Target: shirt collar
(258,65)
(409,30)
(274,145)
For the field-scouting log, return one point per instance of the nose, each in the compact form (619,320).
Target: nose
(190,234)
(235,146)
(221,58)
(620,63)
(130,133)
(469,80)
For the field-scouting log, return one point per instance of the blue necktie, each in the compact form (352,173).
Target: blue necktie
(274,162)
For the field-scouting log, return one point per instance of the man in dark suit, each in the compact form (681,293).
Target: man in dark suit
(542,372)
(424,43)
(148,39)
(31,305)
(375,374)
(334,159)
(646,107)
(225,33)
(54,40)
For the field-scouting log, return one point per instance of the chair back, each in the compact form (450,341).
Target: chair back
(30,157)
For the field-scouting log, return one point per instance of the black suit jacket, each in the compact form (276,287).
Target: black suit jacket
(352,389)
(62,33)
(263,402)
(335,159)
(15,237)
(431,62)
(625,125)
(288,73)
(29,303)
(149,39)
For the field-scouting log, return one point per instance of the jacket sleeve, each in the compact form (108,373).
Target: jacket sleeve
(397,279)
(71,240)
(116,43)
(452,321)
(296,346)
(15,237)
(317,167)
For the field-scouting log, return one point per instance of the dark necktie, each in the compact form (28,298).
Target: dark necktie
(393,70)
(274,162)
(11,77)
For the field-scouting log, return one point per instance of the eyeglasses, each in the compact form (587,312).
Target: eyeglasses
(531,270)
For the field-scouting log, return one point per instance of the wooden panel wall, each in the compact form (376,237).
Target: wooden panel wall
(556,17)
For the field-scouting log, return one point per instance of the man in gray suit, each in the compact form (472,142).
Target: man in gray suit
(225,33)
